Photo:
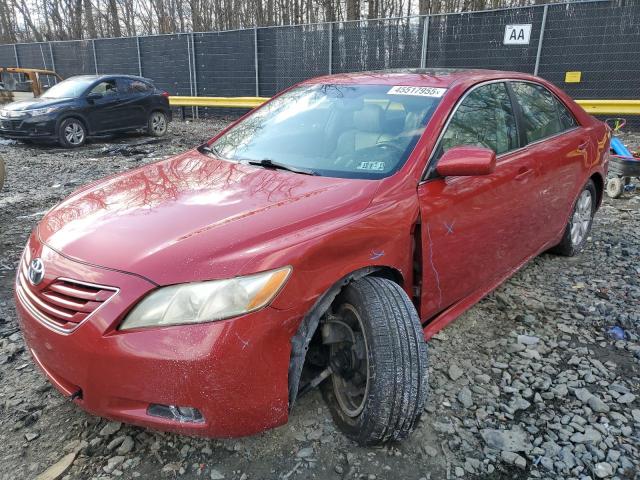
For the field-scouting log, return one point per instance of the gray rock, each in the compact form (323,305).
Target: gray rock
(465,397)
(126,446)
(512,458)
(546,463)
(455,372)
(528,340)
(31,436)
(514,440)
(626,398)
(635,413)
(597,405)
(113,463)
(305,452)
(442,427)
(582,394)
(110,428)
(429,450)
(216,475)
(603,470)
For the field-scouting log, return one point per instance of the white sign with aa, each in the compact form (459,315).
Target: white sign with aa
(517,34)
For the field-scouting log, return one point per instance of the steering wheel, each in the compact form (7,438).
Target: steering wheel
(389,146)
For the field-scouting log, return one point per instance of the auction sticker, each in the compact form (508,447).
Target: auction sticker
(417,91)
(377,166)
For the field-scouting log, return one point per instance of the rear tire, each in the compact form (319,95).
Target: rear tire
(72,133)
(577,230)
(393,357)
(157,124)
(615,187)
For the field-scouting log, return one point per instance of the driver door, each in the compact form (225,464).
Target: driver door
(476,229)
(105,112)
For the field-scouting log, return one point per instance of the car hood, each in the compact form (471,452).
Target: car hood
(194,217)
(35,103)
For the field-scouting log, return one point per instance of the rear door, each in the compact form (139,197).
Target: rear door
(136,97)
(476,229)
(561,150)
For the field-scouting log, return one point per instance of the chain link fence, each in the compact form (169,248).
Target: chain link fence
(599,38)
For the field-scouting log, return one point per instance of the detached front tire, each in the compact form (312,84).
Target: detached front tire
(72,133)
(378,356)
(579,225)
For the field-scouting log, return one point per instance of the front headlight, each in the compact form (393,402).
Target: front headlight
(206,301)
(36,112)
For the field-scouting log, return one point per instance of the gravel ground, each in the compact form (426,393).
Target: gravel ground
(528,384)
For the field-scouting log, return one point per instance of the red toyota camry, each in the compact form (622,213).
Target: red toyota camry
(320,240)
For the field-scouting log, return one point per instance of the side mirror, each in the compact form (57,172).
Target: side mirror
(466,161)
(92,97)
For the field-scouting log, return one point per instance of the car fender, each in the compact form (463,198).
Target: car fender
(309,324)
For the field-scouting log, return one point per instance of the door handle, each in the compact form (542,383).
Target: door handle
(523,174)
(583,145)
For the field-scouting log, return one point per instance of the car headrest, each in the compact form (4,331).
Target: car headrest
(369,119)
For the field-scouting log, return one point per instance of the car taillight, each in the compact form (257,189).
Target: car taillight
(165,94)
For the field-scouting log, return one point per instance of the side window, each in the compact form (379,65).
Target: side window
(542,114)
(484,118)
(107,87)
(567,119)
(134,86)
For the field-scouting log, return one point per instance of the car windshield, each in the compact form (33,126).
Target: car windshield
(70,88)
(349,131)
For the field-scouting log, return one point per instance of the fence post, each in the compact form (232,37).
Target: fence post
(330,48)
(139,59)
(15,52)
(195,71)
(95,58)
(425,42)
(539,52)
(255,54)
(53,62)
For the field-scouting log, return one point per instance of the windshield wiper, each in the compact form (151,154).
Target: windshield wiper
(268,163)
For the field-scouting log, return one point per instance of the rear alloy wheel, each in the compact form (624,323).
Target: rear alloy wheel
(378,356)
(157,124)
(615,187)
(579,226)
(72,133)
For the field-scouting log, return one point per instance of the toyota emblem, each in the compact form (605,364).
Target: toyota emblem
(36,271)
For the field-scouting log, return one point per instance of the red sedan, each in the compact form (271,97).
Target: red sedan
(319,240)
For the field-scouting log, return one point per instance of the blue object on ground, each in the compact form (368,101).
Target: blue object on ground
(617,333)
(618,147)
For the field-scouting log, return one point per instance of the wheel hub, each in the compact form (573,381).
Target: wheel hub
(349,361)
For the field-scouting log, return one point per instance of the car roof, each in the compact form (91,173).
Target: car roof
(419,77)
(111,76)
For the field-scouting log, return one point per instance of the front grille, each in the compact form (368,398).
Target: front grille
(10,124)
(63,303)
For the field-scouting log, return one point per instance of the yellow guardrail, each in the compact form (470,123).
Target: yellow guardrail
(611,107)
(225,102)
(596,107)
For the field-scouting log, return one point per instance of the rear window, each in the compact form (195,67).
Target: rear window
(542,113)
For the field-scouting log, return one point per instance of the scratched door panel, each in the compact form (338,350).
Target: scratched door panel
(475,230)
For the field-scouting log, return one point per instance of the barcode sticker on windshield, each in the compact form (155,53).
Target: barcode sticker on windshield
(417,91)
(378,166)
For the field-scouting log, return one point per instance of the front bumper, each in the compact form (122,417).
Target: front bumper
(28,127)
(234,372)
